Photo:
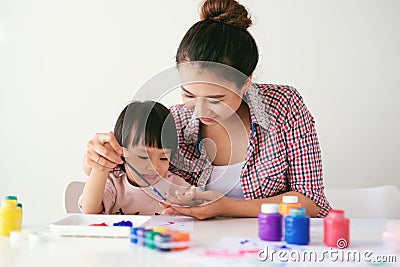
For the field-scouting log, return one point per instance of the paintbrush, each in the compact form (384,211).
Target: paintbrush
(145,181)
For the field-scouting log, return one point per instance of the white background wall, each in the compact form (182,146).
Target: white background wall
(68,67)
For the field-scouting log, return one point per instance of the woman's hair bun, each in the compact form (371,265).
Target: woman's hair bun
(227,12)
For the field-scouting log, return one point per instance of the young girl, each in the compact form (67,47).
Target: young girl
(147,134)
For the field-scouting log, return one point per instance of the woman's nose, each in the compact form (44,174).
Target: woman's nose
(201,107)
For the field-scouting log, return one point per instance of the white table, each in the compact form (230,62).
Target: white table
(98,252)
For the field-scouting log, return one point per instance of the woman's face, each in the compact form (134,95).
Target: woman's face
(211,102)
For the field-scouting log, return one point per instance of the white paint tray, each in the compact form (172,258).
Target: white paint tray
(78,225)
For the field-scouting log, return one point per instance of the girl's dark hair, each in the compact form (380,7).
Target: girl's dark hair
(146,123)
(221,36)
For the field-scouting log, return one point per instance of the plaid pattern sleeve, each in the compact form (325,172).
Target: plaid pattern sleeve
(283,153)
(303,152)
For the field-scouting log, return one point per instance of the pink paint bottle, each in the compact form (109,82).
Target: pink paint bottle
(270,222)
(336,229)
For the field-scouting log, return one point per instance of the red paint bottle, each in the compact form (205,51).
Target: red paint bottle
(336,229)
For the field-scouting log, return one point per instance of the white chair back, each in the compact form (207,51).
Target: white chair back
(71,195)
(382,202)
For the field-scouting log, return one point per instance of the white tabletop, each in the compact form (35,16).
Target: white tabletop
(208,236)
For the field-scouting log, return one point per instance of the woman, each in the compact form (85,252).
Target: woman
(274,149)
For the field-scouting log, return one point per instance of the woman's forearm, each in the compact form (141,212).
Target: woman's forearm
(251,208)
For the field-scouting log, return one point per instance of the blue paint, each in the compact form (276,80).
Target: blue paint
(123,223)
(297,227)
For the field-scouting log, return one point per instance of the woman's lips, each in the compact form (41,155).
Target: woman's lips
(206,119)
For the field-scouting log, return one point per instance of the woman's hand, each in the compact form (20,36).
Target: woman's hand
(217,205)
(103,153)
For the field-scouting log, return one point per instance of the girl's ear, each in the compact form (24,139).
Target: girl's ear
(125,152)
(247,84)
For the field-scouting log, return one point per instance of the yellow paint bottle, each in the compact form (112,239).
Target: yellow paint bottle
(10,216)
(287,203)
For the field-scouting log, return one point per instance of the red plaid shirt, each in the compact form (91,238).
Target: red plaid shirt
(283,153)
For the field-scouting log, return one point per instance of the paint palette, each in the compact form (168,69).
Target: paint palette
(82,225)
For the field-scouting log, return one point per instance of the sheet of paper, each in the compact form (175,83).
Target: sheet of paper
(242,251)
(178,223)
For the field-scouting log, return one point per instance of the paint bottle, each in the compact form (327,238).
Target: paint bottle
(162,242)
(270,222)
(149,239)
(10,216)
(181,240)
(297,227)
(391,236)
(287,203)
(336,229)
(140,233)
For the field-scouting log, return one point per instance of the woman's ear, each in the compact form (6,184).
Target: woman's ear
(247,84)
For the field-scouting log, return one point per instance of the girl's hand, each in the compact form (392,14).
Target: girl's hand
(185,198)
(103,153)
(218,206)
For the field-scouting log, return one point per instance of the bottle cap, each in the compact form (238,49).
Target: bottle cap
(180,236)
(160,229)
(269,208)
(290,199)
(336,213)
(19,235)
(10,198)
(297,212)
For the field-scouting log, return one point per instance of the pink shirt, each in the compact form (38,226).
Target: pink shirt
(121,197)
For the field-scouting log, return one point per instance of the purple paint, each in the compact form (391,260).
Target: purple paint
(270,223)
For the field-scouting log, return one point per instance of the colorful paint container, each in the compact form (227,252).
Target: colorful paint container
(10,216)
(166,241)
(149,239)
(181,240)
(336,229)
(297,227)
(162,242)
(270,222)
(135,235)
(287,203)
(161,229)
(391,236)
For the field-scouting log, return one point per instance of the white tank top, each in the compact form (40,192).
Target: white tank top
(226,179)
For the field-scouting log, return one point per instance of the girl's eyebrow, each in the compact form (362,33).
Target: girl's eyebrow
(209,96)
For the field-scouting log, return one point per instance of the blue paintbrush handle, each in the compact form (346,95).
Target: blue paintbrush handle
(145,180)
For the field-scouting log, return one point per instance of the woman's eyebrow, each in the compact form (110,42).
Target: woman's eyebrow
(209,96)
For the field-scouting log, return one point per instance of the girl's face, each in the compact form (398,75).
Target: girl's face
(212,103)
(151,162)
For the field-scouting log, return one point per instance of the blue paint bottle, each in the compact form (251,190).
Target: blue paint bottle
(297,227)
(270,222)
(134,234)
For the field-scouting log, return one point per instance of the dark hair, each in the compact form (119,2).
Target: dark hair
(147,123)
(221,36)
